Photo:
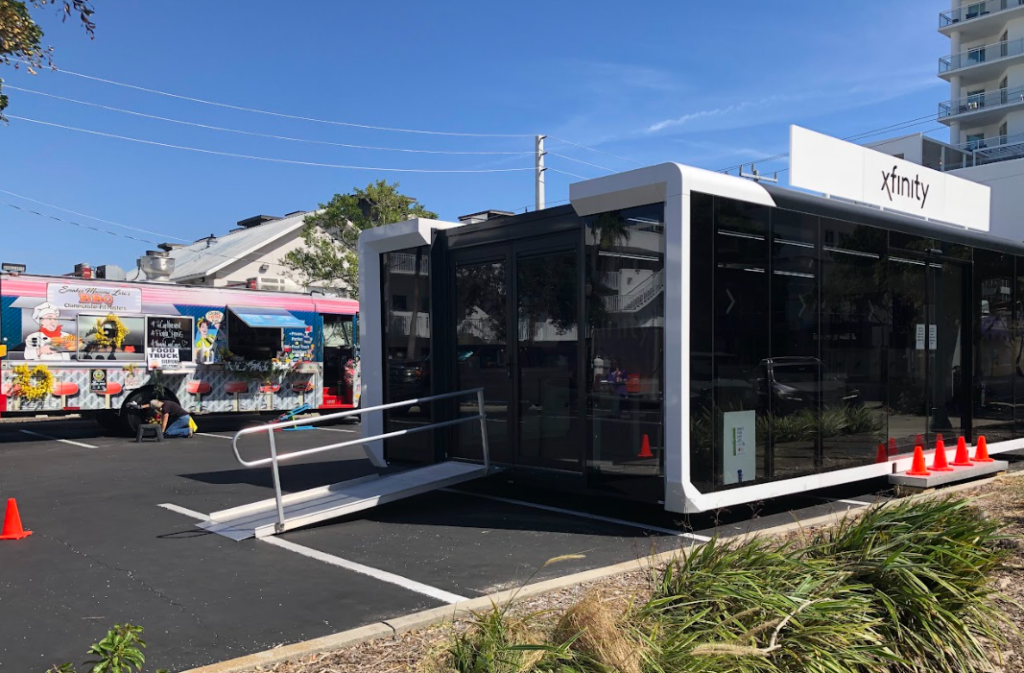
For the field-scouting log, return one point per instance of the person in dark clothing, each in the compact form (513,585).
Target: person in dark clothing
(173,418)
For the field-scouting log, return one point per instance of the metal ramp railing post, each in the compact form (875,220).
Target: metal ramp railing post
(483,428)
(277,482)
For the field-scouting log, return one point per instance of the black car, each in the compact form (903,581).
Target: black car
(786,385)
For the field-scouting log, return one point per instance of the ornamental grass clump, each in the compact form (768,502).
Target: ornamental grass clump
(753,607)
(926,566)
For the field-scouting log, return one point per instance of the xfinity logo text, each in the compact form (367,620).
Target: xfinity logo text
(901,186)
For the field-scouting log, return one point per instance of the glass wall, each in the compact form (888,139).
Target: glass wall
(997,354)
(820,344)
(624,290)
(405,293)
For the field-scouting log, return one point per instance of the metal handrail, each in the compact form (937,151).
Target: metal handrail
(274,460)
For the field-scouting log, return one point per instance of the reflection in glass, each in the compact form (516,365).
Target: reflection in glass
(907,351)
(742,339)
(546,290)
(854,326)
(625,291)
(405,291)
(482,357)
(945,375)
(997,351)
(794,386)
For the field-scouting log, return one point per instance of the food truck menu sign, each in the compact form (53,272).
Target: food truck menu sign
(168,341)
(835,167)
(86,296)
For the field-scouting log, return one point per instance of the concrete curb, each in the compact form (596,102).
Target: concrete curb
(389,628)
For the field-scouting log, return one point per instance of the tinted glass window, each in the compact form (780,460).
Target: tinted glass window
(405,277)
(625,309)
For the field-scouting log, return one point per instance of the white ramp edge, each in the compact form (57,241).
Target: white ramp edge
(305,508)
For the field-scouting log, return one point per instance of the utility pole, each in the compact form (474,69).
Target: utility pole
(540,172)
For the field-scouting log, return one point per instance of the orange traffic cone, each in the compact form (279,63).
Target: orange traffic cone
(882,456)
(12,523)
(918,440)
(893,449)
(645,449)
(918,469)
(940,463)
(981,453)
(962,458)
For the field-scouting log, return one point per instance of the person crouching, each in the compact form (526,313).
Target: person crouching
(174,420)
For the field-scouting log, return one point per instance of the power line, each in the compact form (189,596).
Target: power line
(594,149)
(573,175)
(283,115)
(254,133)
(581,161)
(116,224)
(201,253)
(857,136)
(272,159)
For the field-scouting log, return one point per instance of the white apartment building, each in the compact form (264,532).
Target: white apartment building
(985,71)
(985,110)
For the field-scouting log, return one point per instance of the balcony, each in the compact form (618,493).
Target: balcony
(982,63)
(988,151)
(976,20)
(983,108)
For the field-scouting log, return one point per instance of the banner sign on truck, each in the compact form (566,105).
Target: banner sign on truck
(89,297)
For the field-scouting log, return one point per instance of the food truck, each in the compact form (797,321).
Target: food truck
(95,346)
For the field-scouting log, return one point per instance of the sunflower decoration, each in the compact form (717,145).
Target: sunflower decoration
(33,384)
(109,332)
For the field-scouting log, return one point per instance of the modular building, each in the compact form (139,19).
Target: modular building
(695,339)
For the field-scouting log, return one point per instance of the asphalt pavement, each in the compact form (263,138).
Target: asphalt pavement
(114,542)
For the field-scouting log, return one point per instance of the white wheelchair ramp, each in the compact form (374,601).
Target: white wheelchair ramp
(261,519)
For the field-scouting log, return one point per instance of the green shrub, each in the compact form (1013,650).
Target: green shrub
(120,651)
(926,565)
(750,607)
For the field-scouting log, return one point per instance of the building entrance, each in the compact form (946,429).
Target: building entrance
(516,326)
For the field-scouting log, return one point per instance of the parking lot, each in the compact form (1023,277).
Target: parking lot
(114,542)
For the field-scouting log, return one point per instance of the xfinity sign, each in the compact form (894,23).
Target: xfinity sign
(835,167)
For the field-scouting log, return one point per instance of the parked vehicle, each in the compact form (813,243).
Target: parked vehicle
(91,346)
(786,385)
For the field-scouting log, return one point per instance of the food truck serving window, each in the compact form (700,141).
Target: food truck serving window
(256,333)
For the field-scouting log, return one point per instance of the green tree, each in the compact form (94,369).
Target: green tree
(330,234)
(21,38)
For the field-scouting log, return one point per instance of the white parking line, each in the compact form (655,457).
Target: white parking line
(210,434)
(356,432)
(57,439)
(330,559)
(584,515)
(382,575)
(181,510)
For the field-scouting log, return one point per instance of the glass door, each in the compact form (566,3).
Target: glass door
(481,357)
(547,359)
(927,387)
(516,317)
(947,411)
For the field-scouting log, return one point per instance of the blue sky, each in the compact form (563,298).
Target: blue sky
(710,84)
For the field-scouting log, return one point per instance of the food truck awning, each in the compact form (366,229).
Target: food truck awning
(262,316)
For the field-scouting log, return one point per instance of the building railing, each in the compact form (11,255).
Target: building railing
(991,143)
(983,54)
(276,458)
(639,297)
(975,10)
(981,101)
(987,151)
